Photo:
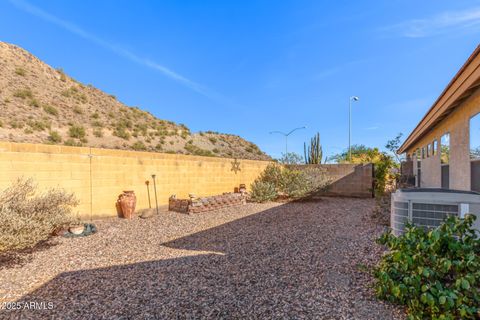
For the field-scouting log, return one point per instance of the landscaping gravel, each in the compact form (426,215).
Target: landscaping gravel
(302,260)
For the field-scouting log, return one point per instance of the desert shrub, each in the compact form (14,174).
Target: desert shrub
(95,115)
(28,131)
(76,131)
(15,124)
(289,183)
(263,191)
(38,125)
(1,124)
(63,77)
(121,132)
(77,110)
(98,132)
(72,143)
(97,123)
(20,71)
(35,103)
(54,137)
(435,273)
(139,146)
(193,149)
(215,150)
(23,94)
(27,217)
(50,110)
(212,140)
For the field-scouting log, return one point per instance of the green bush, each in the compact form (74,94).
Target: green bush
(76,131)
(436,273)
(139,146)
(287,182)
(27,218)
(263,191)
(193,149)
(121,132)
(54,137)
(77,110)
(50,110)
(20,71)
(98,132)
(35,103)
(72,143)
(38,125)
(23,94)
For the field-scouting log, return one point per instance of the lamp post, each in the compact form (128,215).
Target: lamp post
(352,98)
(286,136)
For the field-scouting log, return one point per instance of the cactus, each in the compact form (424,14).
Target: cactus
(313,153)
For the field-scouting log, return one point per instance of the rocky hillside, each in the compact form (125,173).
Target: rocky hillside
(40,104)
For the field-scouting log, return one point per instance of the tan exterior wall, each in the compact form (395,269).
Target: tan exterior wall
(457,124)
(98,176)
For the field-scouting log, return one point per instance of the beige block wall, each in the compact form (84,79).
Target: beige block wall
(98,176)
(458,125)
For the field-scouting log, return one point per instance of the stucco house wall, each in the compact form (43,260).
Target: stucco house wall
(458,125)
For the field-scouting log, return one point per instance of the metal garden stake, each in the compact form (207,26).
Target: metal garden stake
(155,190)
(148,192)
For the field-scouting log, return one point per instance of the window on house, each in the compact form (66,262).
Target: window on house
(423,152)
(475,137)
(418,154)
(429,150)
(435,147)
(445,148)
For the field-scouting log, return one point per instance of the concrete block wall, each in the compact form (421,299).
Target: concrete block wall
(98,176)
(347,180)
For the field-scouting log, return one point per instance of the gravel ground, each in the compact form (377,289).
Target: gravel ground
(306,260)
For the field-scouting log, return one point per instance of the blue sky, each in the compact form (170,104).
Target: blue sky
(251,67)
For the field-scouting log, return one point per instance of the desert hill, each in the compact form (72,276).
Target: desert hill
(41,104)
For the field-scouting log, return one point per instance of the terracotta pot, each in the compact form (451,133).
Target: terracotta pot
(127,201)
(243,188)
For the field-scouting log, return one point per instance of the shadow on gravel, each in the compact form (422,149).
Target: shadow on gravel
(274,264)
(18,258)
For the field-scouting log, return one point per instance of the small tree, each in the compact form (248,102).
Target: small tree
(393,145)
(291,158)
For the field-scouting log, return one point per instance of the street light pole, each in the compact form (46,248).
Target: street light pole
(352,98)
(286,136)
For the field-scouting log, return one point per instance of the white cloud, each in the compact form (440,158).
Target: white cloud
(465,21)
(72,28)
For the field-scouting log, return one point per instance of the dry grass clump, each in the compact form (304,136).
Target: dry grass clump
(27,217)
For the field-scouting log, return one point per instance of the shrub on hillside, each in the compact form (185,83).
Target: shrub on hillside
(50,110)
(20,71)
(27,217)
(76,131)
(436,273)
(23,94)
(139,146)
(54,137)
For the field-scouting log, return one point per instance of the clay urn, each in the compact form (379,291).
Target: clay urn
(127,201)
(243,188)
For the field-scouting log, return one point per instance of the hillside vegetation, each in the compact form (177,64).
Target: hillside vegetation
(40,104)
